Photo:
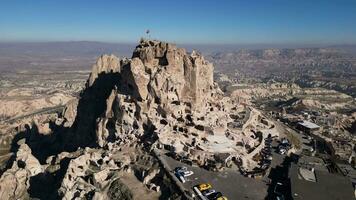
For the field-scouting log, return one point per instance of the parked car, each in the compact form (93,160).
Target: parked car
(266,162)
(311,149)
(269,140)
(283,148)
(183,171)
(269,157)
(282,151)
(204,186)
(269,145)
(265,166)
(208,192)
(180,176)
(285,141)
(222,198)
(187,173)
(179,169)
(278,191)
(280,198)
(266,151)
(214,195)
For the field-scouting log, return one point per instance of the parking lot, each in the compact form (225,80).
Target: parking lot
(229,182)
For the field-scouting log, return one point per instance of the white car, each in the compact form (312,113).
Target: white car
(282,151)
(311,149)
(285,141)
(187,173)
(269,158)
(180,177)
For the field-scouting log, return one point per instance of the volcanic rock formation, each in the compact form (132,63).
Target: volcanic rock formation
(161,98)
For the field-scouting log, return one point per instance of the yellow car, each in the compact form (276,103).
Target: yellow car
(204,186)
(222,198)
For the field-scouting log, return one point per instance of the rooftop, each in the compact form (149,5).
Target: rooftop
(327,186)
(312,162)
(309,125)
(307,174)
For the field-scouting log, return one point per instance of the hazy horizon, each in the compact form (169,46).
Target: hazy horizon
(242,45)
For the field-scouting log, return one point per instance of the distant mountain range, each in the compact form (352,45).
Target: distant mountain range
(81,54)
(83,48)
(79,48)
(333,68)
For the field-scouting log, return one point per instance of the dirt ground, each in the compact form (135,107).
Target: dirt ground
(138,189)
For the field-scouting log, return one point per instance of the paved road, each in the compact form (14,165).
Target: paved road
(168,168)
(285,130)
(37,112)
(299,136)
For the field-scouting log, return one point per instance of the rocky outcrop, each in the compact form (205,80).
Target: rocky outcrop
(70,112)
(105,64)
(165,73)
(167,97)
(162,97)
(14,183)
(157,78)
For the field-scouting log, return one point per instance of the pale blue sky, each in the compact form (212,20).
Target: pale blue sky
(181,21)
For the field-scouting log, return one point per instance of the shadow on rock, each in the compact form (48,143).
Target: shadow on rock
(41,145)
(91,106)
(45,185)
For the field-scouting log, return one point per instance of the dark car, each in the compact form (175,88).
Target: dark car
(266,151)
(180,169)
(268,162)
(208,192)
(279,190)
(267,154)
(214,195)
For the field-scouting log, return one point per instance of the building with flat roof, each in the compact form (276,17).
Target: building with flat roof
(312,162)
(307,126)
(308,183)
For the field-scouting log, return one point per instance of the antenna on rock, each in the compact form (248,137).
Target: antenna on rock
(148,33)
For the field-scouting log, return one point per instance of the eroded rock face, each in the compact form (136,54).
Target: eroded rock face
(165,73)
(14,183)
(70,112)
(96,173)
(167,97)
(104,64)
(163,97)
(151,84)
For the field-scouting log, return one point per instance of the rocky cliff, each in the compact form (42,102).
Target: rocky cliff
(160,98)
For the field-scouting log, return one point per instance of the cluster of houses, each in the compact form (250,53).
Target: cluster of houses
(327,173)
